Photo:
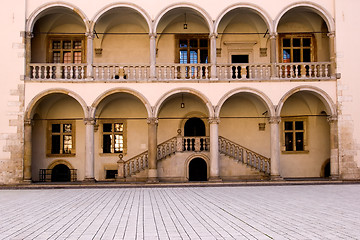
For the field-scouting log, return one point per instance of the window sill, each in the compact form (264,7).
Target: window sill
(295,152)
(112,154)
(60,155)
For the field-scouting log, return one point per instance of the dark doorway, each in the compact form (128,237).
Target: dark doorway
(197,170)
(194,127)
(327,170)
(60,173)
(239,59)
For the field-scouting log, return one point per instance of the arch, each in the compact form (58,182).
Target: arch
(121,90)
(324,14)
(260,95)
(135,7)
(165,96)
(322,95)
(204,157)
(60,161)
(194,7)
(259,11)
(35,101)
(40,11)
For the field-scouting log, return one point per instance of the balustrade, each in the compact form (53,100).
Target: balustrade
(56,71)
(114,72)
(243,71)
(183,71)
(318,70)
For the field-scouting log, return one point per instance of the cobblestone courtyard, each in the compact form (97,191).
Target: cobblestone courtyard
(258,212)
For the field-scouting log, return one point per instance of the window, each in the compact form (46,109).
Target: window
(192,49)
(294,135)
(61,138)
(113,137)
(66,49)
(111,174)
(297,48)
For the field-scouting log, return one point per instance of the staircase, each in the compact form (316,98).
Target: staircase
(244,155)
(179,143)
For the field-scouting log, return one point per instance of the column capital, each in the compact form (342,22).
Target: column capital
(152,120)
(89,121)
(29,35)
(89,35)
(152,35)
(28,122)
(273,35)
(332,118)
(214,120)
(274,120)
(331,34)
(213,35)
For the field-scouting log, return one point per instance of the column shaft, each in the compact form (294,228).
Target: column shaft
(214,149)
(89,55)
(89,149)
(213,74)
(273,54)
(27,151)
(275,148)
(152,149)
(332,54)
(152,56)
(334,148)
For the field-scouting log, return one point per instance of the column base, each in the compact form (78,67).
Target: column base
(276,178)
(334,177)
(152,176)
(215,179)
(89,180)
(120,179)
(27,181)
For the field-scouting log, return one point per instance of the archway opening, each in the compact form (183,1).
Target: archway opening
(198,170)
(194,127)
(326,171)
(60,173)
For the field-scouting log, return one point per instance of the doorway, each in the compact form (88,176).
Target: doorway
(194,127)
(60,173)
(198,170)
(236,71)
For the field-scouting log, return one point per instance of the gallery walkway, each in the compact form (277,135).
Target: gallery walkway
(237,212)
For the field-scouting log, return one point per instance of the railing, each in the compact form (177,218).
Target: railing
(196,144)
(183,71)
(117,72)
(243,71)
(46,174)
(244,155)
(52,71)
(319,70)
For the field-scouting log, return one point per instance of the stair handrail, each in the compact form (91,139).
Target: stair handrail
(140,162)
(244,155)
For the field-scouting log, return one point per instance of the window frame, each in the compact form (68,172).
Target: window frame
(61,134)
(313,51)
(124,134)
(62,38)
(294,131)
(189,37)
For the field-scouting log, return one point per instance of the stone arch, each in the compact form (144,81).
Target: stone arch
(165,96)
(135,7)
(122,90)
(60,161)
(40,11)
(36,100)
(324,14)
(321,94)
(260,95)
(194,7)
(259,11)
(193,156)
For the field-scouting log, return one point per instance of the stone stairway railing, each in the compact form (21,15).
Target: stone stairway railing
(244,155)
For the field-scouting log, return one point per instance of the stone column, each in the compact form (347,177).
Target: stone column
(152,55)
(334,147)
(89,149)
(275,147)
(27,151)
(273,54)
(89,55)
(152,149)
(214,149)
(213,37)
(332,54)
(28,37)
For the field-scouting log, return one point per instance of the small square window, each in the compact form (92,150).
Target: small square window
(55,128)
(107,127)
(286,42)
(296,42)
(288,125)
(66,44)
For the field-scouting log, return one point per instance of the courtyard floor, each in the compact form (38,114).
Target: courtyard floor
(227,212)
